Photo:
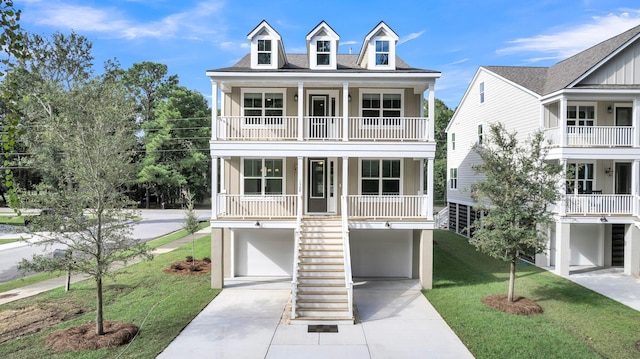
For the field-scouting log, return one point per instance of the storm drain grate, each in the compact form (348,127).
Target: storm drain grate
(323,328)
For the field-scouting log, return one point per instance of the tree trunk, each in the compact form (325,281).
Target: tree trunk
(99,323)
(512,279)
(147,196)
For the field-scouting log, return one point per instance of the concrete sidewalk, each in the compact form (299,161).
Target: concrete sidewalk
(246,321)
(37,288)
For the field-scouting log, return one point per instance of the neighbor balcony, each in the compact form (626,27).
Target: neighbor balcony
(591,136)
(292,128)
(598,204)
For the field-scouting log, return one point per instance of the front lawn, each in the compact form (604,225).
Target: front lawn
(576,323)
(161,304)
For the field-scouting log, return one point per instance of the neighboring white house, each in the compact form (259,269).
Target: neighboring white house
(319,162)
(589,108)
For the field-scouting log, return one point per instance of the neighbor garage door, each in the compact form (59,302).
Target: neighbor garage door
(263,252)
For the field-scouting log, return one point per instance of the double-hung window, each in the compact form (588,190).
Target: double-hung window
(480,134)
(323,52)
(581,115)
(482,92)
(582,177)
(453,142)
(453,178)
(264,52)
(263,108)
(382,52)
(380,177)
(385,106)
(263,176)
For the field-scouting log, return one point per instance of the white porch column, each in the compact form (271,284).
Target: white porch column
(214,110)
(345,111)
(426,258)
(429,188)
(300,186)
(632,251)
(300,111)
(345,176)
(563,248)
(563,121)
(214,187)
(432,113)
(635,195)
(635,121)
(562,208)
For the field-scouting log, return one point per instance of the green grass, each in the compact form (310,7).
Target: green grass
(12,219)
(173,236)
(161,304)
(576,323)
(8,240)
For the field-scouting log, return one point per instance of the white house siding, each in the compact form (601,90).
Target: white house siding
(622,69)
(504,102)
(262,252)
(381,253)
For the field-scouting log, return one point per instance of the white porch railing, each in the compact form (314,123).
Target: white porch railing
(386,206)
(241,206)
(586,136)
(348,279)
(241,128)
(599,204)
(388,128)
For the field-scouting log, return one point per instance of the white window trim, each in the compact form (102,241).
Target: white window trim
(283,91)
(263,196)
(449,178)
(372,53)
(484,134)
(274,52)
(313,58)
(380,92)
(380,160)
(582,103)
(482,92)
(453,141)
(575,180)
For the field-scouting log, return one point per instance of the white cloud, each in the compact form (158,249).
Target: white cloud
(112,22)
(347,43)
(459,61)
(411,36)
(565,43)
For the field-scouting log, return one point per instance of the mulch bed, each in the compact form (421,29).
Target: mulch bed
(83,337)
(187,268)
(519,306)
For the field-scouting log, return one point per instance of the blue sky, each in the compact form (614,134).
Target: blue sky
(454,37)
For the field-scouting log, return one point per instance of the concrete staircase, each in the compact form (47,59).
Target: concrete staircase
(321,293)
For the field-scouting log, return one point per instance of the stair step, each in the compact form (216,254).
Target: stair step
(320,270)
(321,256)
(320,277)
(319,301)
(322,293)
(320,285)
(321,263)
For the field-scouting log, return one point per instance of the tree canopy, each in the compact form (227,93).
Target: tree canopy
(515,195)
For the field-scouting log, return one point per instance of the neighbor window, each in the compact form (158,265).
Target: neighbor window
(480,134)
(323,52)
(385,105)
(263,176)
(582,174)
(380,177)
(581,115)
(264,52)
(263,108)
(382,52)
(453,178)
(453,142)
(482,92)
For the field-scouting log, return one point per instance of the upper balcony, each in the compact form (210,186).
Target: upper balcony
(322,128)
(591,136)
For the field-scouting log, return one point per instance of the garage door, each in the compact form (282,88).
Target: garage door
(263,253)
(381,253)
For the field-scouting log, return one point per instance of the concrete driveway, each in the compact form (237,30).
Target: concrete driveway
(244,321)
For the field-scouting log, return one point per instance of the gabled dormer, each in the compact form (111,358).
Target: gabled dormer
(267,50)
(379,49)
(322,47)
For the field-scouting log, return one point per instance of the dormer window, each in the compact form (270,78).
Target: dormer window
(264,52)
(382,52)
(323,52)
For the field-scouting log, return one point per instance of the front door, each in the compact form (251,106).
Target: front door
(317,194)
(623,178)
(318,120)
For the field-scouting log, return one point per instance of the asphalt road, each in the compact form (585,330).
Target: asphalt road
(154,223)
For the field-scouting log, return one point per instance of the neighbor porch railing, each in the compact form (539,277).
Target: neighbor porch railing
(243,206)
(586,136)
(597,204)
(386,206)
(330,128)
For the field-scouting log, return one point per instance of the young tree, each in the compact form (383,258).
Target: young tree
(518,188)
(86,208)
(191,222)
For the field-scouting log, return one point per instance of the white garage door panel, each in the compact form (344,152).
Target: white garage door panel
(385,253)
(263,253)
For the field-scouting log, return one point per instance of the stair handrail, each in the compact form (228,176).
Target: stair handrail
(296,258)
(347,254)
(442,217)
